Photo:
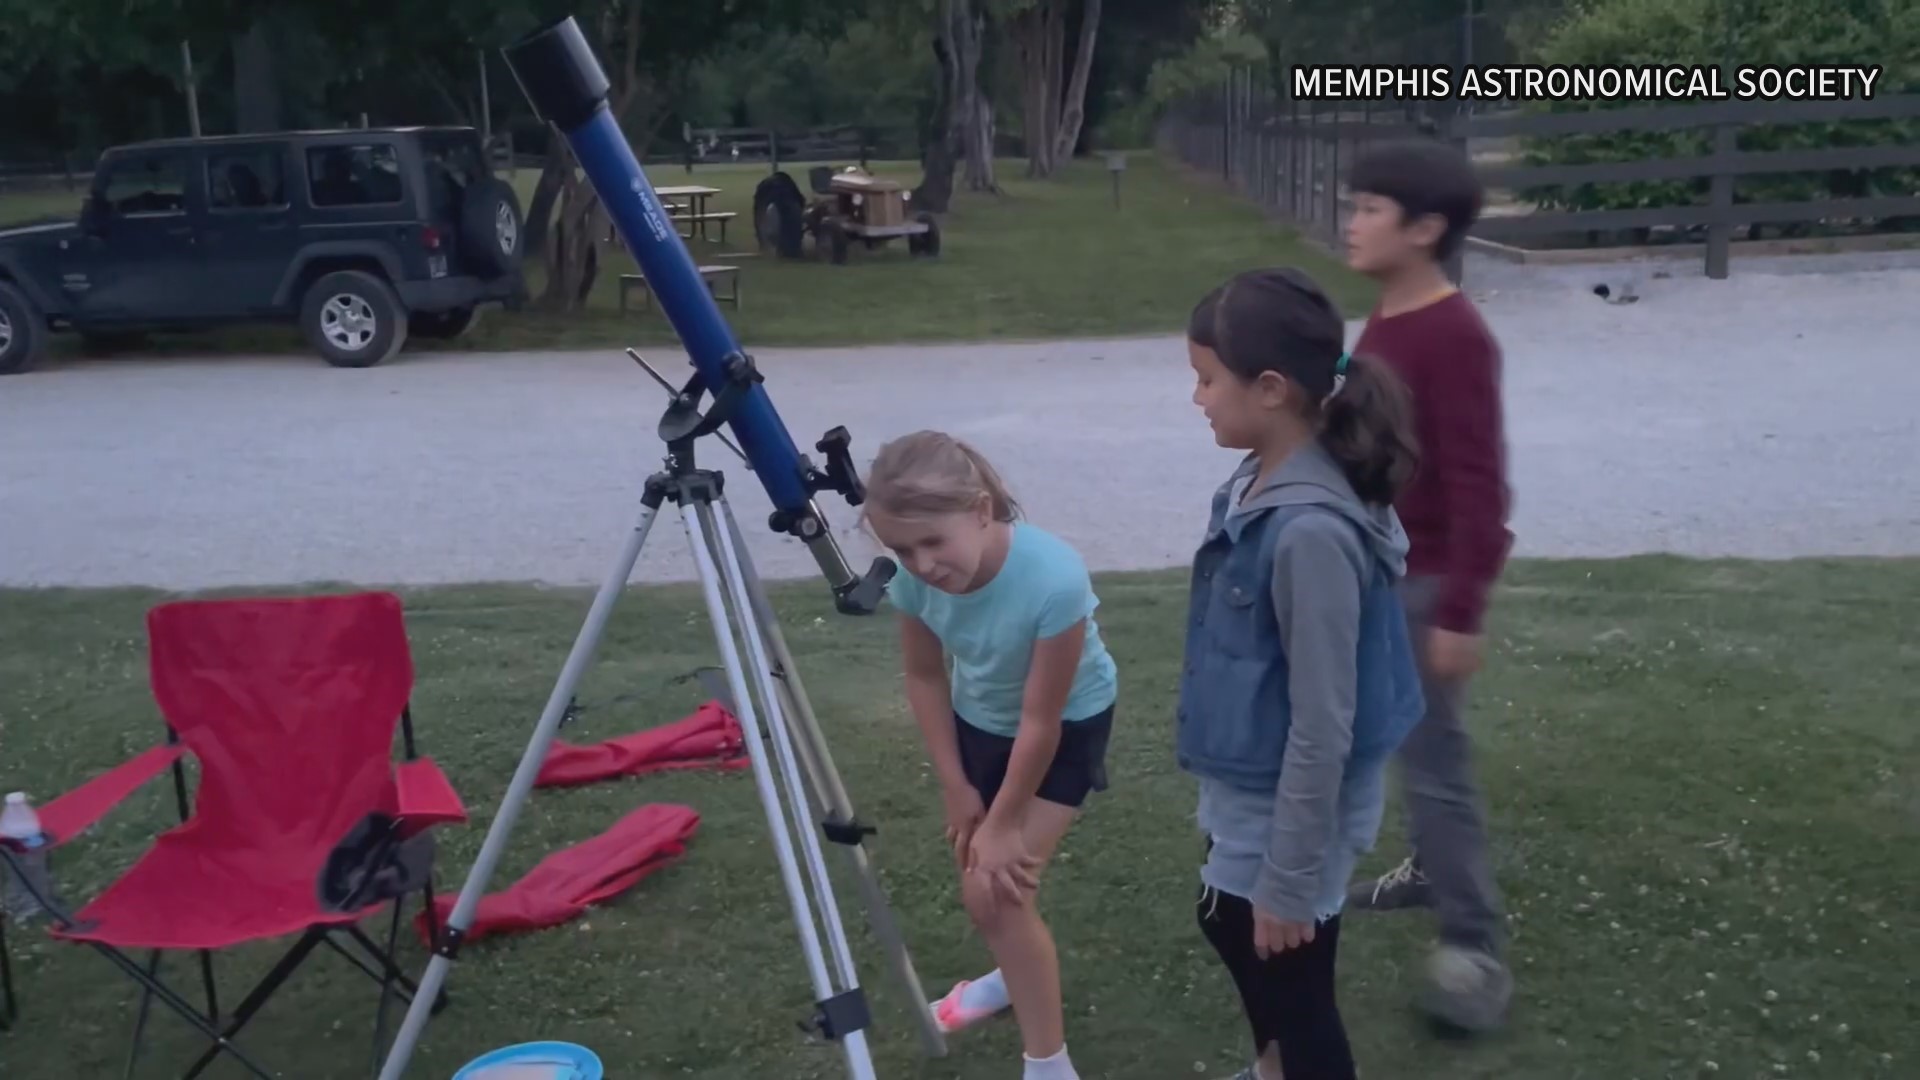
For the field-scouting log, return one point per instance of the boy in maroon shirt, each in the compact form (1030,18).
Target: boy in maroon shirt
(1412,206)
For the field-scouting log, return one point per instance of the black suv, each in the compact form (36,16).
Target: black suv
(362,236)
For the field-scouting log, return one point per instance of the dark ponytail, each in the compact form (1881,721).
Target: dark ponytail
(1367,427)
(1279,320)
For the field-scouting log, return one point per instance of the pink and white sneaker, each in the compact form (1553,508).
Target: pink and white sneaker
(953,1016)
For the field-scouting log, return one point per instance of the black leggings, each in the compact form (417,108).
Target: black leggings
(1288,997)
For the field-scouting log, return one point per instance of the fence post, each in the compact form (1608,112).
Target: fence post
(1226,123)
(1333,185)
(1720,202)
(1455,129)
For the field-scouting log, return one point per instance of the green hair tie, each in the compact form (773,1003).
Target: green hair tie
(1340,366)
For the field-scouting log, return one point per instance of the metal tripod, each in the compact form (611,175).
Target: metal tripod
(772,712)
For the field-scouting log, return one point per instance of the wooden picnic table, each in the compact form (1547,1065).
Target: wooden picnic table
(696,214)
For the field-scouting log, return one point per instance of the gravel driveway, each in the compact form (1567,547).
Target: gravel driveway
(1770,415)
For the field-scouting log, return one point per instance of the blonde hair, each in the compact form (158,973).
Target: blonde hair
(929,473)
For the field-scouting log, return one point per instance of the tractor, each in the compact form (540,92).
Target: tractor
(849,205)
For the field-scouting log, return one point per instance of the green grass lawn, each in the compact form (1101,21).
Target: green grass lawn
(1045,259)
(1705,805)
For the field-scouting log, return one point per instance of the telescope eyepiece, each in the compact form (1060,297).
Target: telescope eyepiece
(559,74)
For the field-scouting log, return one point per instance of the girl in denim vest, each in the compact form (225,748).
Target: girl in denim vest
(1299,678)
(1017,732)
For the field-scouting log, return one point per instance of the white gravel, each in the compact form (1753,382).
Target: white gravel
(1770,415)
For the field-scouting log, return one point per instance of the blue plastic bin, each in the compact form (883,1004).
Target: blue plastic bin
(567,1061)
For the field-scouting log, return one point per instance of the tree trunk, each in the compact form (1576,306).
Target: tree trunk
(979,143)
(256,80)
(1073,105)
(571,260)
(943,134)
(972,110)
(1042,39)
(1054,102)
(573,256)
(546,193)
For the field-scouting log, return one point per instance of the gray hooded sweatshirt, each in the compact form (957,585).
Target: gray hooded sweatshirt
(1292,851)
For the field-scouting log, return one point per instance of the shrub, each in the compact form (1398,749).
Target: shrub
(1630,32)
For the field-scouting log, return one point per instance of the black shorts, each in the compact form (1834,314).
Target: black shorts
(1079,762)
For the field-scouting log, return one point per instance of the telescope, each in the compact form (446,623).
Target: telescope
(557,71)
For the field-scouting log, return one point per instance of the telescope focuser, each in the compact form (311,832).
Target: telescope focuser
(853,594)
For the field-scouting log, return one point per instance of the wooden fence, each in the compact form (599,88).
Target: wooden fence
(718,145)
(1294,158)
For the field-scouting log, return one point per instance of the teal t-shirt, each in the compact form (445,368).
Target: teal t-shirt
(1040,592)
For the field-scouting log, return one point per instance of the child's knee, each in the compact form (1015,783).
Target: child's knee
(984,905)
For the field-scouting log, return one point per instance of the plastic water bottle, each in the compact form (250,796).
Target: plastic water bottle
(21,825)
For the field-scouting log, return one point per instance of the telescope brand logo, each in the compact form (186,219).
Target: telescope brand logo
(655,213)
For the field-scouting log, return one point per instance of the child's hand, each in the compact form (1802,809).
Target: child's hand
(1273,936)
(1451,655)
(1000,855)
(964,813)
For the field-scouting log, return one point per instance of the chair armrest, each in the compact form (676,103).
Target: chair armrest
(427,797)
(69,815)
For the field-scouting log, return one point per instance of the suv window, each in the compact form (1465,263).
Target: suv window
(253,178)
(453,163)
(459,154)
(367,174)
(146,185)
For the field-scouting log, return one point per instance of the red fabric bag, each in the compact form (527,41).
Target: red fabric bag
(569,881)
(710,738)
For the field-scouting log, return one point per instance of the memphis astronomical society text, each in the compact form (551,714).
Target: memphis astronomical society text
(1532,82)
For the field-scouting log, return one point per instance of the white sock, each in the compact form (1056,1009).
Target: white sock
(987,993)
(1057,1067)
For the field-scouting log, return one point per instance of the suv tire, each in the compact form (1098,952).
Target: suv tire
(23,331)
(492,228)
(353,319)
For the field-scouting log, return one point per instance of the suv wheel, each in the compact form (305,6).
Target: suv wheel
(23,332)
(353,319)
(492,228)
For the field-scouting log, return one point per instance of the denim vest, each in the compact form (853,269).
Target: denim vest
(1234,710)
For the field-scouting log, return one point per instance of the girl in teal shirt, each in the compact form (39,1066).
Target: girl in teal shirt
(1018,730)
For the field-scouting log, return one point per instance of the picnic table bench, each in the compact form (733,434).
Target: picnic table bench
(712,275)
(697,222)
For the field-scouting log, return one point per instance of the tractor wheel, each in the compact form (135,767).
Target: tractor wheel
(778,213)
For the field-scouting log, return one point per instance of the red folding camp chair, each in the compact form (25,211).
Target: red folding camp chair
(302,823)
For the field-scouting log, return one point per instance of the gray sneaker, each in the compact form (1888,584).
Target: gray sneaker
(1404,886)
(1467,989)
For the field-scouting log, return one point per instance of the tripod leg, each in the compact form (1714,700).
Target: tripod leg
(831,795)
(853,1042)
(773,714)
(448,944)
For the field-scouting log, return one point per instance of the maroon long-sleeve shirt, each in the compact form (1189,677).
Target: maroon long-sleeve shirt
(1455,510)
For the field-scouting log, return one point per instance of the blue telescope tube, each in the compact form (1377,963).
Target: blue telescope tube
(568,88)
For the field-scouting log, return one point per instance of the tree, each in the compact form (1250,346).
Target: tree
(962,42)
(1135,35)
(1053,97)
(962,125)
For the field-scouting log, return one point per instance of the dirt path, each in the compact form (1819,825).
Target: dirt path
(1769,415)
